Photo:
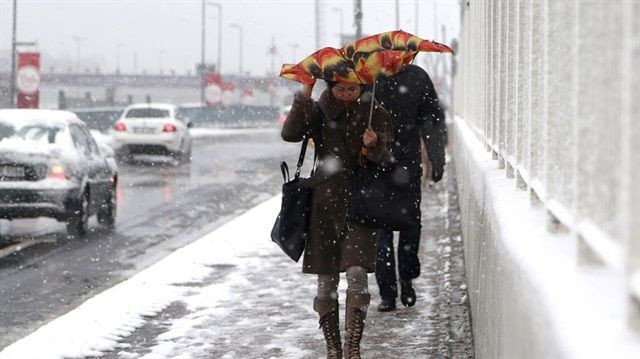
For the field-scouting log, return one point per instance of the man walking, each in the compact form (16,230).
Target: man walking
(415,111)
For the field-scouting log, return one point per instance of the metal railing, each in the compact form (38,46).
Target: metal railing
(552,90)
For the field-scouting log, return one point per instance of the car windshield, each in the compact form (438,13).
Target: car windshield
(147,113)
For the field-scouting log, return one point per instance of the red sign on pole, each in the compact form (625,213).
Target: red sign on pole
(28,80)
(213,90)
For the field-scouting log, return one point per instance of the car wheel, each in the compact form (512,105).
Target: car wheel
(78,218)
(107,211)
(124,156)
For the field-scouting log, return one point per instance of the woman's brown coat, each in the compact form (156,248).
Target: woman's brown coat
(335,244)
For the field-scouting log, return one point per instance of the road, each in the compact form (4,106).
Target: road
(161,207)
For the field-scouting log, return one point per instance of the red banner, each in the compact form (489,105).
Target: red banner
(217,91)
(28,80)
(213,90)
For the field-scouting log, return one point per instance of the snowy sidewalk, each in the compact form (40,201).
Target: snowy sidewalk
(233,294)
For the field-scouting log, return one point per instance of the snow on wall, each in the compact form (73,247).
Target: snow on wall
(550,89)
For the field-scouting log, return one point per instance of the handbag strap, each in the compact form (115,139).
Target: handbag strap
(318,143)
(316,152)
(303,151)
(285,171)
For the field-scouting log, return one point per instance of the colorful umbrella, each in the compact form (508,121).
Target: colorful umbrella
(363,61)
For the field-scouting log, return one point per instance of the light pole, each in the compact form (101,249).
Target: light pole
(339,10)
(160,54)
(219,7)
(272,51)
(416,12)
(12,86)
(202,46)
(239,27)
(357,17)
(397,14)
(201,67)
(78,41)
(294,47)
(118,46)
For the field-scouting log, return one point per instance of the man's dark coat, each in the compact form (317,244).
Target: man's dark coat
(415,111)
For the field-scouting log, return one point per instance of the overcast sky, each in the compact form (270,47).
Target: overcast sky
(166,33)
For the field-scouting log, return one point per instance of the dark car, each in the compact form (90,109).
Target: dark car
(51,166)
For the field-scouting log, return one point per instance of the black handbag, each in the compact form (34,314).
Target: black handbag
(290,231)
(384,198)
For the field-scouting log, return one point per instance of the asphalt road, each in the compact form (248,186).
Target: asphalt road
(161,207)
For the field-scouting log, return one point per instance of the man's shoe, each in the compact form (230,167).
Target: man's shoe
(387,305)
(408,295)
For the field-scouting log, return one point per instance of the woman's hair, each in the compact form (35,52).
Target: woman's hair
(330,84)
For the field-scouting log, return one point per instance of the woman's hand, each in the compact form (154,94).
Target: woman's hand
(306,90)
(370,138)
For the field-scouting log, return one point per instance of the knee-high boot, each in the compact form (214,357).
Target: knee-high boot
(357,305)
(328,311)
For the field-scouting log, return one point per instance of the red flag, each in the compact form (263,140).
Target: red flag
(28,80)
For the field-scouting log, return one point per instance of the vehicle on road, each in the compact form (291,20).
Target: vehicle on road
(51,166)
(284,111)
(154,129)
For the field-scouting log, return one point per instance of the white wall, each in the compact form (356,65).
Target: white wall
(550,91)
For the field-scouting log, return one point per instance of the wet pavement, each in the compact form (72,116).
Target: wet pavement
(267,312)
(162,206)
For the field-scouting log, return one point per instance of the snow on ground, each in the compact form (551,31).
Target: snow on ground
(99,323)
(233,294)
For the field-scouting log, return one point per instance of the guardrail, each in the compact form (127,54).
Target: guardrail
(552,88)
(228,116)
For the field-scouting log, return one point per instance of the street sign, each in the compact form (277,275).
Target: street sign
(28,80)
(213,90)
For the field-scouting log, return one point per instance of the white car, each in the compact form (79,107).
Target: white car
(152,128)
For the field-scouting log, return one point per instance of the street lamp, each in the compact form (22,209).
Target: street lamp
(202,47)
(239,27)
(397,15)
(219,7)
(293,50)
(339,10)
(78,41)
(160,54)
(118,46)
(12,86)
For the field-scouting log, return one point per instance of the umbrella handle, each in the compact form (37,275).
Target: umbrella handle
(364,150)
(373,97)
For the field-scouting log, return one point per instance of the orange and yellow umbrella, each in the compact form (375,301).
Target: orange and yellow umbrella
(362,61)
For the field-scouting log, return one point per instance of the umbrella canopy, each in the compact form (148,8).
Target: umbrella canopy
(362,61)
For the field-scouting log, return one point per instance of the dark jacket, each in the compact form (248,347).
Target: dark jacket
(411,99)
(334,245)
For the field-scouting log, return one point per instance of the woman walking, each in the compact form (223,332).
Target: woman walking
(338,124)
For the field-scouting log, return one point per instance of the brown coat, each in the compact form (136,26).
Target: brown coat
(334,244)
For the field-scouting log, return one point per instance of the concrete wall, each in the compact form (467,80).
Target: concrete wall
(547,98)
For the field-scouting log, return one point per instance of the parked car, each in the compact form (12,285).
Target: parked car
(50,166)
(152,128)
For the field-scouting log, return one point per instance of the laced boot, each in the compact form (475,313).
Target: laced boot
(357,305)
(329,323)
